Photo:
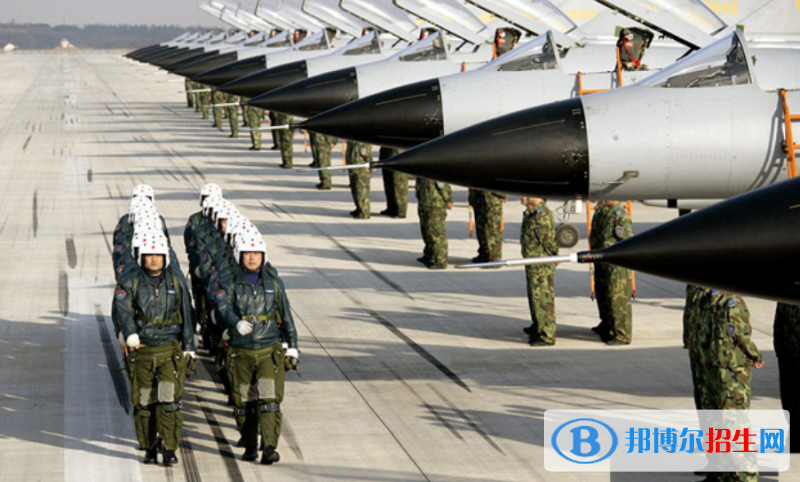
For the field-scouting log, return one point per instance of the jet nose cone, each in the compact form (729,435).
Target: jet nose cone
(179,56)
(403,117)
(312,96)
(258,83)
(541,151)
(200,66)
(177,64)
(232,71)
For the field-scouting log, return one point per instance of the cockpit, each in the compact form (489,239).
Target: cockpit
(369,44)
(538,54)
(434,47)
(321,40)
(723,63)
(279,40)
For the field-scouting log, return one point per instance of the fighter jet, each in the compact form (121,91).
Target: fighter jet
(327,9)
(531,16)
(536,73)
(367,49)
(429,58)
(178,42)
(707,127)
(322,39)
(744,245)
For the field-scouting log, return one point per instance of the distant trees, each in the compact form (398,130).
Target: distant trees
(43,36)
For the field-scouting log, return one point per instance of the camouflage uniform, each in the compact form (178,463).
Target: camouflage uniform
(321,147)
(273,121)
(219,97)
(253,116)
(695,329)
(488,209)
(691,310)
(432,201)
(395,185)
(538,238)
(189,96)
(233,115)
(786,332)
(358,153)
(204,99)
(610,225)
(730,352)
(284,138)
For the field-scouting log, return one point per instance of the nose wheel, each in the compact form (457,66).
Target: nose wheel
(567,235)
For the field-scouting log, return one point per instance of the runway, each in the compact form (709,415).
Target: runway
(406,374)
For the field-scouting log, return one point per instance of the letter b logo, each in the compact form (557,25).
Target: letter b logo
(585,436)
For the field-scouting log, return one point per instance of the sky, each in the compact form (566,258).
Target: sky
(81,12)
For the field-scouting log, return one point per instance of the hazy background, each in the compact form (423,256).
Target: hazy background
(113,12)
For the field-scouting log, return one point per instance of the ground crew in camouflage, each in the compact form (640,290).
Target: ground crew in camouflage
(731,356)
(697,331)
(204,99)
(273,121)
(321,147)
(218,97)
(690,310)
(253,117)
(538,238)
(285,139)
(488,209)
(610,225)
(786,335)
(256,311)
(433,201)
(189,96)
(395,185)
(155,316)
(233,115)
(358,153)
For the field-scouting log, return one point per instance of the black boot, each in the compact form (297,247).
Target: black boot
(170,458)
(250,453)
(151,457)
(270,456)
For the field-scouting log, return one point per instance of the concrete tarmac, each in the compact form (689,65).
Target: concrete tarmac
(406,374)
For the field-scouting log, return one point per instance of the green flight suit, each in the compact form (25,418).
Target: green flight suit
(160,312)
(256,360)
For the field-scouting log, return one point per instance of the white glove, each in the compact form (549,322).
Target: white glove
(244,327)
(190,353)
(293,353)
(285,346)
(133,341)
(226,336)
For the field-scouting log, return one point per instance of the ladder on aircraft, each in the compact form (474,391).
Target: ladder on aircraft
(589,208)
(789,146)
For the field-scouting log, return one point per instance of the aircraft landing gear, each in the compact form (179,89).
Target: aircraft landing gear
(567,235)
